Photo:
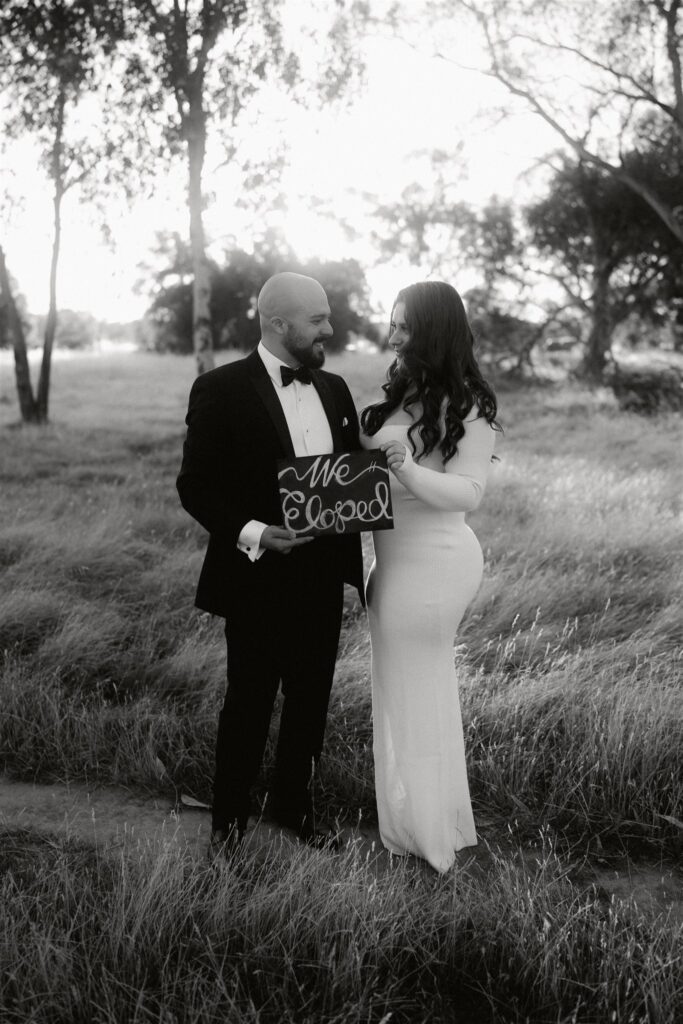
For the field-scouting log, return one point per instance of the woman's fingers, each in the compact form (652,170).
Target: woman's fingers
(395,453)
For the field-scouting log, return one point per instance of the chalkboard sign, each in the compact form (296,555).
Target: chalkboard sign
(344,492)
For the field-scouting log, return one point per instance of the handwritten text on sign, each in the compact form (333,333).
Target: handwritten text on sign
(344,492)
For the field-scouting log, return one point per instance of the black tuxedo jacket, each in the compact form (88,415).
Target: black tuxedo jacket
(236,432)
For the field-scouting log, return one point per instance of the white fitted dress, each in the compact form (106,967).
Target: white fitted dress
(426,572)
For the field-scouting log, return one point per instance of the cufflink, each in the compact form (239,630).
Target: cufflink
(345,422)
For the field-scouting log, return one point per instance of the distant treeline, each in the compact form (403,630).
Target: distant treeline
(76,329)
(167,325)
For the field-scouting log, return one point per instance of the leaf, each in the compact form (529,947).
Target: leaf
(161,768)
(189,801)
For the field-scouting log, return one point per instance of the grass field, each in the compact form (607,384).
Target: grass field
(570,671)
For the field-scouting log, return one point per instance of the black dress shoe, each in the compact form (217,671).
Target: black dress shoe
(321,839)
(302,826)
(224,843)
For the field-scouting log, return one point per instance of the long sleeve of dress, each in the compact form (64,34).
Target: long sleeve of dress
(460,487)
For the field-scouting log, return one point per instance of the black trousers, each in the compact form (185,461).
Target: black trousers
(283,630)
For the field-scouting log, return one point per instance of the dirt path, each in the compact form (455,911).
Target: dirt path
(113,817)
(105,815)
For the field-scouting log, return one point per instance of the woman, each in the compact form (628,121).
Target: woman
(436,425)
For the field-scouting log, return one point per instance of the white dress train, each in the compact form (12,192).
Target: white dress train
(426,572)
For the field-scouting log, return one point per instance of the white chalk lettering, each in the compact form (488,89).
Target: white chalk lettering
(318,517)
(328,470)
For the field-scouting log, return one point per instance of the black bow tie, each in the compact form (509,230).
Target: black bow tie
(302,374)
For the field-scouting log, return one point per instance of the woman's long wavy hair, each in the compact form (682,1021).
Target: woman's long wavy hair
(437,369)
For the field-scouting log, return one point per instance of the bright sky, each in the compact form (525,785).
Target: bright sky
(410,103)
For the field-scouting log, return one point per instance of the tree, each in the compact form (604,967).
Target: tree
(504,341)
(234,290)
(624,60)
(446,237)
(209,58)
(50,57)
(75,329)
(173,60)
(347,292)
(606,248)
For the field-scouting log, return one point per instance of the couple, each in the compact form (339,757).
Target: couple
(281,596)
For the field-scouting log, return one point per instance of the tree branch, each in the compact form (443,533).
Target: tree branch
(666,214)
(643,92)
(576,297)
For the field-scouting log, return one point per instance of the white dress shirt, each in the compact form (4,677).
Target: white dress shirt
(308,427)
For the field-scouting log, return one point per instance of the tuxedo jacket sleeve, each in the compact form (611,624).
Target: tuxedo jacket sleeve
(236,432)
(211,481)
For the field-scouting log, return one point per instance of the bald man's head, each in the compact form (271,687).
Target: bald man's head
(285,294)
(295,319)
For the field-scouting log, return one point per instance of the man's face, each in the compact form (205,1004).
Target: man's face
(307,331)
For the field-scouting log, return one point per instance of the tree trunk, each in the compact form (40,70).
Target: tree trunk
(51,321)
(201,290)
(57,174)
(599,341)
(27,403)
(677,329)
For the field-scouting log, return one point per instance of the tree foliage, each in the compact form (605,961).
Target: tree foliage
(75,328)
(597,72)
(445,237)
(169,78)
(234,290)
(607,253)
(197,64)
(607,249)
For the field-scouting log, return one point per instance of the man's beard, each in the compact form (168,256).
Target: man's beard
(310,356)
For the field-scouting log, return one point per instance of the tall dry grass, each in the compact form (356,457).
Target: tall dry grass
(569,657)
(305,938)
(570,670)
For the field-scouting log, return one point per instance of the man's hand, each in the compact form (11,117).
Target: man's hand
(281,539)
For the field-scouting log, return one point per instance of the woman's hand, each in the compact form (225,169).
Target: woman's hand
(399,457)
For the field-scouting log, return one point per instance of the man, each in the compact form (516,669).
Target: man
(281,596)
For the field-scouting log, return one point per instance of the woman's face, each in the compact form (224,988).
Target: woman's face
(399,335)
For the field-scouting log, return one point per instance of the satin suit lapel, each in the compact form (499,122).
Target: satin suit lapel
(264,386)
